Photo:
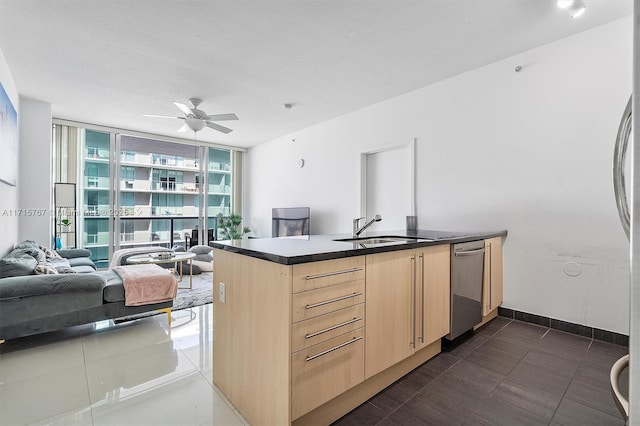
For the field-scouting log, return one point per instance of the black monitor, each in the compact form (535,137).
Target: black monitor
(290,221)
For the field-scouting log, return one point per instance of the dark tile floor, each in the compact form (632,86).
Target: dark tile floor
(506,373)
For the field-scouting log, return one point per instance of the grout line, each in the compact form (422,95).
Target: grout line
(592,329)
(526,384)
(414,395)
(503,327)
(562,397)
(86,378)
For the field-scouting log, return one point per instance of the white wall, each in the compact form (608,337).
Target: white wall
(35,171)
(33,190)
(634,338)
(8,194)
(529,151)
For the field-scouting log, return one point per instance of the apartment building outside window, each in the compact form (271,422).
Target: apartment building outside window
(167,180)
(155,196)
(127,176)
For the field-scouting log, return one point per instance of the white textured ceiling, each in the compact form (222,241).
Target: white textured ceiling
(110,62)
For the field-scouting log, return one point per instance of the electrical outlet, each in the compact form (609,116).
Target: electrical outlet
(222,292)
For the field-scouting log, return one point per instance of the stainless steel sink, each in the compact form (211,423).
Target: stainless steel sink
(381,240)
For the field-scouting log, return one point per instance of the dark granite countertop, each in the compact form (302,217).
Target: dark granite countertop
(313,248)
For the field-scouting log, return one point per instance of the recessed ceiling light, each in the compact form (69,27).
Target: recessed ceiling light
(574,7)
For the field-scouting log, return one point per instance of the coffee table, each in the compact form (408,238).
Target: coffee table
(176,258)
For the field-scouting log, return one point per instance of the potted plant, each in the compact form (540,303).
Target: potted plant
(230,228)
(65,225)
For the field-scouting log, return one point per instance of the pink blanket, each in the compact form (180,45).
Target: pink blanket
(146,284)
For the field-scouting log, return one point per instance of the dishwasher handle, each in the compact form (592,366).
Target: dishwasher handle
(469,252)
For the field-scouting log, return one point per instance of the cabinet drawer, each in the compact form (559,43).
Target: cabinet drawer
(309,276)
(317,330)
(324,371)
(310,304)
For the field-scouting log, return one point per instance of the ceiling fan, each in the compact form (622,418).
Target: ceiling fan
(195,119)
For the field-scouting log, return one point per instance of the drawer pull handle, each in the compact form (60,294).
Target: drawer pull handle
(342,345)
(469,252)
(337,299)
(317,333)
(330,274)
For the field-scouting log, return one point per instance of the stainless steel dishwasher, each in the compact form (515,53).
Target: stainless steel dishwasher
(467,271)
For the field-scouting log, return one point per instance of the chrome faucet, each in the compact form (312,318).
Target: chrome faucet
(356,224)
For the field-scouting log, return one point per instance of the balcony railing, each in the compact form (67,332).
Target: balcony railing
(102,154)
(218,166)
(94,182)
(220,189)
(154,231)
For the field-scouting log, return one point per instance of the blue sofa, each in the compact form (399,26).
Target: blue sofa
(36,299)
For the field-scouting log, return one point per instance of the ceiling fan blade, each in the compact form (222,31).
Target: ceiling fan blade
(184,128)
(218,127)
(183,108)
(221,117)
(162,116)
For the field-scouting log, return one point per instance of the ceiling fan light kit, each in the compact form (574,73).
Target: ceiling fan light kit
(195,119)
(195,124)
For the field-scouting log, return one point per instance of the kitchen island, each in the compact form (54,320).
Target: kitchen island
(306,329)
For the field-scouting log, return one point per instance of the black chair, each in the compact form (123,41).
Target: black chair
(290,221)
(192,240)
(290,227)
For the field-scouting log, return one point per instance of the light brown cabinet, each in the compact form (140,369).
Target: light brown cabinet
(492,283)
(326,370)
(434,316)
(252,329)
(328,319)
(306,343)
(407,304)
(389,307)
(288,337)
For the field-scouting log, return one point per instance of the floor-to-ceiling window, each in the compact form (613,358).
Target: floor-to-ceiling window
(94,191)
(163,183)
(138,191)
(219,195)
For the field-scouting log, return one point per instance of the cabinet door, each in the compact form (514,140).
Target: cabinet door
(324,371)
(434,288)
(389,309)
(492,286)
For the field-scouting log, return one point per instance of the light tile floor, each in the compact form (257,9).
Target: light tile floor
(135,373)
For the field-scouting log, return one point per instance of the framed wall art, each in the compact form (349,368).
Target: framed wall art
(8,139)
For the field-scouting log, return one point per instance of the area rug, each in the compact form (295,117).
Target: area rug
(200,294)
